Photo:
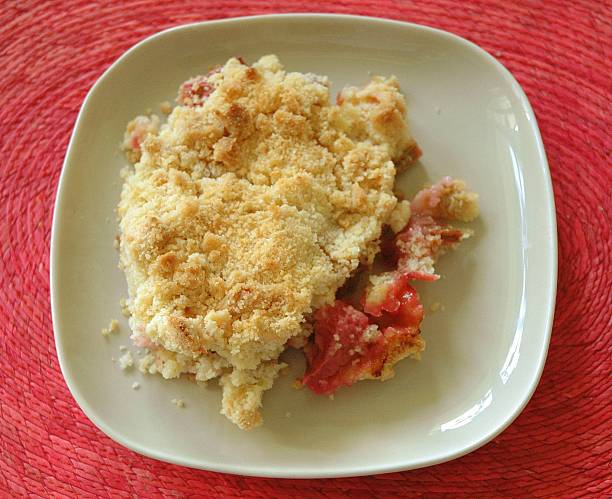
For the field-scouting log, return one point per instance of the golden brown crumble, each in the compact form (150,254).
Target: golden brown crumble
(247,211)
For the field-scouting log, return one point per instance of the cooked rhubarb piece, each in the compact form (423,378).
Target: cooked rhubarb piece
(350,346)
(344,340)
(392,301)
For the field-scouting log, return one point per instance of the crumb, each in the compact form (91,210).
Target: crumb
(297,384)
(124,307)
(434,307)
(116,242)
(448,199)
(331,397)
(136,132)
(438,110)
(287,414)
(126,361)
(123,348)
(399,216)
(113,359)
(135,385)
(178,402)
(371,333)
(125,172)
(113,326)
(165,107)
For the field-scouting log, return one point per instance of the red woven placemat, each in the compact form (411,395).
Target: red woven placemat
(50,55)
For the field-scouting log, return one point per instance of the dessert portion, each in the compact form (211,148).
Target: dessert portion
(249,208)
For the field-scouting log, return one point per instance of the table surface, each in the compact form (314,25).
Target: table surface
(561,445)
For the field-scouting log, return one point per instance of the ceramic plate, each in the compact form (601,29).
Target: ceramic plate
(485,350)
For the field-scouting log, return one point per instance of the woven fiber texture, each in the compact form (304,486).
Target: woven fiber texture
(560,446)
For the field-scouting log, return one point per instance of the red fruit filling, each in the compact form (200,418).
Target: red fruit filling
(340,352)
(400,307)
(350,346)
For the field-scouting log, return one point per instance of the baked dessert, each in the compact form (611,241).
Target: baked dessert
(246,212)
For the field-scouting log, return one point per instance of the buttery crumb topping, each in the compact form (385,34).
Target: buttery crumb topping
(246,212)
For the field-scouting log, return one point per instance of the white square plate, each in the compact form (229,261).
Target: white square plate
(485,351)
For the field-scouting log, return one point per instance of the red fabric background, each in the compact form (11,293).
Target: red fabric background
(561,445)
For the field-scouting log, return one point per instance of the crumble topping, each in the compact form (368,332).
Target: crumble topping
(246,212)
(399,216)
(137,130)
(448,199)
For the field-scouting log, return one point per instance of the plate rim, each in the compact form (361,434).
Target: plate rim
(347,471)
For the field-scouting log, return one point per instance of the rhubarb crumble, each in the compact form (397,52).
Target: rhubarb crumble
(248,210)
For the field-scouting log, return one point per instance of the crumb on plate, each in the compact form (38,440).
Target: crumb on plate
(125,309)
(113,327)
(126,361)
(178,402)
(165,107)
(434,307)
